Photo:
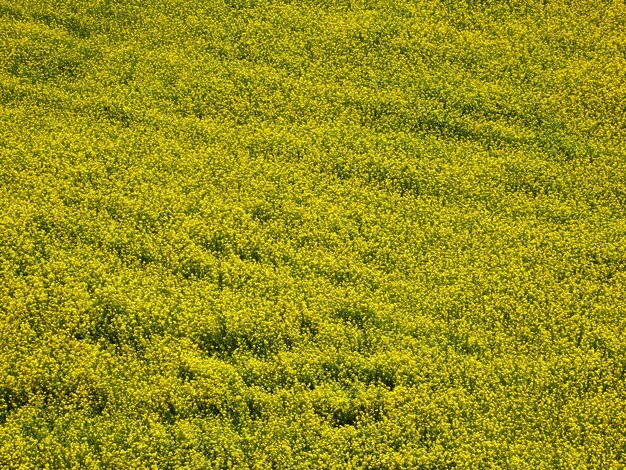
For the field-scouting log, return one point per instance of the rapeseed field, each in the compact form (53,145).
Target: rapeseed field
(312,234)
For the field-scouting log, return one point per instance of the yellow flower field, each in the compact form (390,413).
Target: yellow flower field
(313,234)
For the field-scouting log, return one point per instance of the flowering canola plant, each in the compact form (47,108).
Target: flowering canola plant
(341,234)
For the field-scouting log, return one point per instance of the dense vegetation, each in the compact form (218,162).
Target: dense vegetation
(312,234)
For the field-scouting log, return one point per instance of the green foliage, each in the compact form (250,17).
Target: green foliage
(313,234)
